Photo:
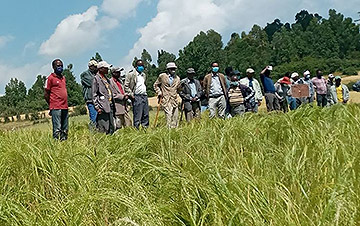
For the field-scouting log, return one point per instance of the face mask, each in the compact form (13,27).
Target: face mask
(215,69)
(307,77)
(59,70)
(140,69)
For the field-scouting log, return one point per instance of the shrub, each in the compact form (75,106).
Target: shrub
(79,110)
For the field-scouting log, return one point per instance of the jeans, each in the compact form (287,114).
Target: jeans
(60,122)
(92,112)
(141,111)
(292,103)
(321,100)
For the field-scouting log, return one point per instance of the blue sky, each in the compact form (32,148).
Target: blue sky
(35,32)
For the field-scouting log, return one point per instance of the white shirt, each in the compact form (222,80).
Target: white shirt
(140,88)
(256,87)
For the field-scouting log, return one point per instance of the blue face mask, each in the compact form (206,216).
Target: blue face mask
(215,69)
(140,69)
(59,70)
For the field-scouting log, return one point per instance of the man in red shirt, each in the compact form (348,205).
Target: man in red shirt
(56,97)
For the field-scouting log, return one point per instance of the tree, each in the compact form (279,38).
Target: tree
(73,88)
(201,52)
(164,58)
(15,92)
(270,29)
(35,98)
(97,57)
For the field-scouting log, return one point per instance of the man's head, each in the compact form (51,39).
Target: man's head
(295,76)
(337,81)
(215,67)
(103,67)
(228,71)
(307,74)
(171,68)
(268,71)
(250,73)
(319,73)
(331,77)
(287,74)
(190,73)
(139,66)
(116,72)
(58,67)
(234,78)
(93,66)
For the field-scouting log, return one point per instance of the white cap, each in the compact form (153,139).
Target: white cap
(270,68)
(93,63)
(307,73)
(250,70)
(294,75)
(331,76)
(171,65)
(104,64)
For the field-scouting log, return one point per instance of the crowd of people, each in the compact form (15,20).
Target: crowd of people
(109,100)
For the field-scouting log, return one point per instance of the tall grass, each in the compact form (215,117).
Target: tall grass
(301,168)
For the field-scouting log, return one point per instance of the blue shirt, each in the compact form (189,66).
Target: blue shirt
(268,84)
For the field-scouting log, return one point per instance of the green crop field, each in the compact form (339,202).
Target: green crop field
(300,168)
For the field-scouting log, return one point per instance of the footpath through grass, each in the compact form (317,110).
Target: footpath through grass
(301,168)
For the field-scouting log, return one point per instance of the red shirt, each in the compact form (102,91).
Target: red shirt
(119,86)
(58,92)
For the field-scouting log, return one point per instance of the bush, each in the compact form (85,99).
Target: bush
(79,110)
(350,71)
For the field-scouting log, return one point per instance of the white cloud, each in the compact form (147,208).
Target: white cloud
(119,8)
(73,35)
(178,21)
(5,39)
(26,73)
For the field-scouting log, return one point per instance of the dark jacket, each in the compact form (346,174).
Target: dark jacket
(101,96)
(185,93)
(207,84)
(87,78)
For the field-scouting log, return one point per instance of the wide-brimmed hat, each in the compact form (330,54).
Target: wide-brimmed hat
(171,65)
(104,64)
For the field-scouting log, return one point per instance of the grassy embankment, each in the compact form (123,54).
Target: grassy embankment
(301,168)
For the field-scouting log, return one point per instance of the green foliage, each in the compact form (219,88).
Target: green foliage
(15,92)
(97,57)
(79,110)
(350,71)
(299,168)
(36,101)
(74,89)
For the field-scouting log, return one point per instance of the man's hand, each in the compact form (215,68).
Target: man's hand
(99,111)
(160,98)
(259,103)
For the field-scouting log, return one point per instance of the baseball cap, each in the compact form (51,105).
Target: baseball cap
(92,63)
(171,65)
(337,78)
(116,69)
(307,72)
(270,68)
(294,75)
(104,64)
(190,71)
(250,70)
(331,76)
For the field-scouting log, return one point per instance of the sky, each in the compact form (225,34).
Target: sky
(34,33)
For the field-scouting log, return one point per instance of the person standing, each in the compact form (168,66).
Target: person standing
(339,92)
(282,88)
(272,102)
(191,93)
(215,91)
(103,99)
(87,78)
(239,97)
(307,80)
(135,88)
(329,84)
(57,98)
(166,87)
(254,85)
(320,88)
(122,117)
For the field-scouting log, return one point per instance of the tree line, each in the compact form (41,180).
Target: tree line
(311,42)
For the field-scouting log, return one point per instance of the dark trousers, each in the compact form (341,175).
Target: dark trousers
(105,122)
(141,111)
(321,100)
(272,102)
(60,123)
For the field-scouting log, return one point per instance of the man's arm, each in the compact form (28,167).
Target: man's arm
(127,89)
(86,79)
(157,86)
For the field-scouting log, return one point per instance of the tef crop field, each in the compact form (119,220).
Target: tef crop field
(300,168)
